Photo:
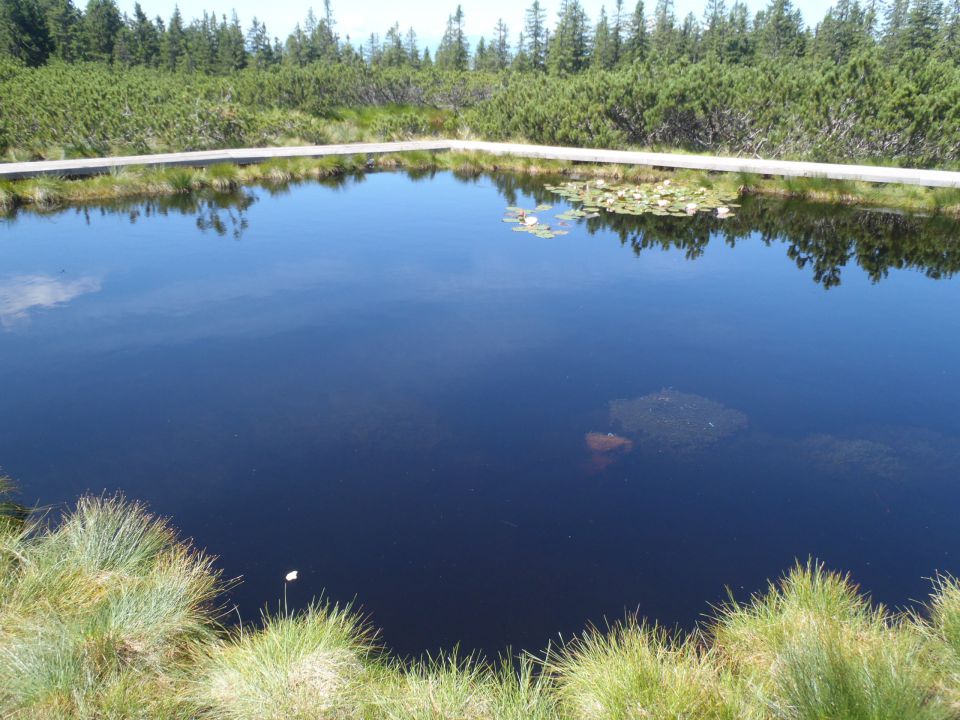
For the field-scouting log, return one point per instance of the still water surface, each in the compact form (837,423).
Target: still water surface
(377,383)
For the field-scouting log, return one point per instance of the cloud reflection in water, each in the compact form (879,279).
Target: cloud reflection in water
(22,294)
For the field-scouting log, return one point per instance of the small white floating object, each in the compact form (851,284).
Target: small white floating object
(292,575)
(721,211)
(621,193)
(662,203)
(637,196)
(599,183)
(530,220)
(666,183)
(691,206)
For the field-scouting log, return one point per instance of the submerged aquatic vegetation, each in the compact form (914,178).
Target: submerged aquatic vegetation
(606,448)
(658,198)
(834,454)
(674,421)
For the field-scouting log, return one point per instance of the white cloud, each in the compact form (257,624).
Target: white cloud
(23,294)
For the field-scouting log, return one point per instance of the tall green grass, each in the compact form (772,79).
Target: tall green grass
(46,193)
(106,614)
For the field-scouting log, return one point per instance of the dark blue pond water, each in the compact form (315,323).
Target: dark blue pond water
(380,385)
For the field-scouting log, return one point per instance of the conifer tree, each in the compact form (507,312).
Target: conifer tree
(454,50)
(410,46)
(715,25)
(173,44)
(535,29)
(500,45)
(144,38)
(569,48)
(23,31)
(64,27)
(101,24)
(393,54)
(603,56)
(259,46)
(638,41)
(780,31)
(924,25)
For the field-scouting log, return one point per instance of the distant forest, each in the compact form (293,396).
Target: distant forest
(866,83)
(39,31)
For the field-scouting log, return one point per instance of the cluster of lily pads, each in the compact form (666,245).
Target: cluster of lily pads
(528,222)
(596,196)
(663,198)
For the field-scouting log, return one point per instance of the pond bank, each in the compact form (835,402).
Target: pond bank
(45,185)
(108,613)
(709,163)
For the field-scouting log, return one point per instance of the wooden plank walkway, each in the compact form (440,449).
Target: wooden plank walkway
(245,156)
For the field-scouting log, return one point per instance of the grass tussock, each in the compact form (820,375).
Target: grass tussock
(296,667)
(100,614)
(640,671)
(105,613)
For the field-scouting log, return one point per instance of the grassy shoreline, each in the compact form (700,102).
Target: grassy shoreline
(107,613)
(49,193)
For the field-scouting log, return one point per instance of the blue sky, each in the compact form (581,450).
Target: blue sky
(361,17)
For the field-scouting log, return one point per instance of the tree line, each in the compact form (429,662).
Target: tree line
(39,31)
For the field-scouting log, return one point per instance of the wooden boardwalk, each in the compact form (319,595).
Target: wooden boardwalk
(786,168)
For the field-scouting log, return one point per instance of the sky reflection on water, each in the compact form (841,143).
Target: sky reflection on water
(379,384)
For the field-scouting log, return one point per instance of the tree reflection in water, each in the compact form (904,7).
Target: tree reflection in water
(824,237)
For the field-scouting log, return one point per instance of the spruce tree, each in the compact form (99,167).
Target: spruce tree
(394,53)
(780,30)
(535,29)
(454,50)
(410,45)
(638,41)
(501,45)
(64,27)
(569,48)
(714,28)
(101,25)
(144,38)
(173,44)
(23,31)
(603,56)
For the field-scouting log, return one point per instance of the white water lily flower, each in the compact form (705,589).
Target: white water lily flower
(530,220)
(291,576)
(599,183)
(662,203)
(691,206)
(621,193)
(666,183)
(721,211)
(637,196)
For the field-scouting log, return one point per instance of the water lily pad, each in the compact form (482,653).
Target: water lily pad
(666,198)
(526,221)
